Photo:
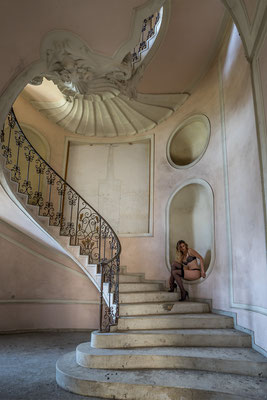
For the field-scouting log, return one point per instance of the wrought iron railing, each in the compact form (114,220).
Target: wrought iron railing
(65,208)
(150,28)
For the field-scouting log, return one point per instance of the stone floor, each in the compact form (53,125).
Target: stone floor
(28,365)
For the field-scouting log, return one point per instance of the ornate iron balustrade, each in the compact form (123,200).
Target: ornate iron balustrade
(66,209)
(149,31)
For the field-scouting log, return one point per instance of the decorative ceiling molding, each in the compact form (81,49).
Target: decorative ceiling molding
(111,114)
(99,92)
(249,30)
(75,68)
(71,65)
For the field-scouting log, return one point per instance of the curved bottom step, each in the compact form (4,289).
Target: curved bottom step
(242,361)
(156,384)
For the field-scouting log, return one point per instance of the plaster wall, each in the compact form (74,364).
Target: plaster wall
(53,134)
(231,166)
(115,180)
(41,288)
(259,69)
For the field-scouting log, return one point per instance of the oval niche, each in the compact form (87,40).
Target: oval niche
(189,141)
(190,217)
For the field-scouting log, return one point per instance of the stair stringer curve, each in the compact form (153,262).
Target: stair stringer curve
(32,212)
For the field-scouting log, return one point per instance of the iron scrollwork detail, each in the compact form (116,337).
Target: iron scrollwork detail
(65,208)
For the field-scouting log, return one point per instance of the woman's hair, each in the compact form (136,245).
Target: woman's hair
(179,254)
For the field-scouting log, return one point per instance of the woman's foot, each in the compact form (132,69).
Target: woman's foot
(172,288)
(184,296)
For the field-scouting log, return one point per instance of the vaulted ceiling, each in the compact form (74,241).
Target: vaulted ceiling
(189,38)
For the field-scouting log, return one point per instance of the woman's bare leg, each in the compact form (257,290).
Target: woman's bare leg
(191,275)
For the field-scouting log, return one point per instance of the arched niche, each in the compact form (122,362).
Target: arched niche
(190,217)
(189,141)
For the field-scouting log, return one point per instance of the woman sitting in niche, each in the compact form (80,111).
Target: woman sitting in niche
(185,266)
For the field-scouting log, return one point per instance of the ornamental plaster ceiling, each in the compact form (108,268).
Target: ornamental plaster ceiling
(115,98)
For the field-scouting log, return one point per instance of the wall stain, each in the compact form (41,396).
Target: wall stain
(168,307)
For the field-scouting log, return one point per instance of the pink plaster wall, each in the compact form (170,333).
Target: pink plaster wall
(238,280)
(54,134)
(262,63)
(246,206)
(194,25)
(42,288)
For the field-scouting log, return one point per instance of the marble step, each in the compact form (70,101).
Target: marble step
(174,307)
(213,359)
(171,337)
(175,321)
(139,287)
(156,384)
(146,297)
(130,278)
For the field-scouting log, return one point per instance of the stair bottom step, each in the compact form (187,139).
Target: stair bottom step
(156,384)
(171,337)
(213,359)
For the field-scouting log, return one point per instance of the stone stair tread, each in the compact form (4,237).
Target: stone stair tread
(151,291)
(225,353)
(176,320)
(224,332)
(139,284)
(175,316)
(148,296)
(196,384)
(165,302)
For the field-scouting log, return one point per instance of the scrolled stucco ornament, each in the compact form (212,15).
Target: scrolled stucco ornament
(100,95)
(38,80)
(76,70)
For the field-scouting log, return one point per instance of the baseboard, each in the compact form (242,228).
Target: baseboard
(242,329)
(236,325)
(52,330)
(199,300)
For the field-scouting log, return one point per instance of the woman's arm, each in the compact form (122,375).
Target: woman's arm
(197,255)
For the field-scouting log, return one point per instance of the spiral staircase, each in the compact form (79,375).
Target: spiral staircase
(51,203)
(149,345)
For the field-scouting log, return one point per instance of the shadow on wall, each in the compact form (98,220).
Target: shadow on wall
(207,259)
(191,219)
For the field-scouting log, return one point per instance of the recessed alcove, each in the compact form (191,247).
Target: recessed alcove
(189,141)
(190,217)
